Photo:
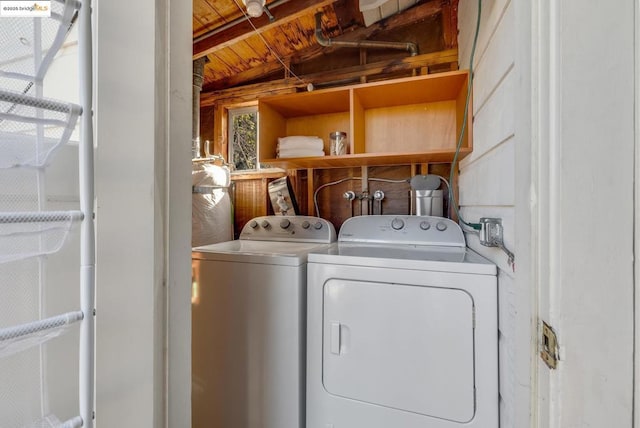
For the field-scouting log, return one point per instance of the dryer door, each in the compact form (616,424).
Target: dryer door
(406,347)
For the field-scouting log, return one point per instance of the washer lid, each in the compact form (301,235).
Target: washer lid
(404,256)
(264,252)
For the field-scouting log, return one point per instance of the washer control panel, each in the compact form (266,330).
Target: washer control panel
(399,229)
(297,228)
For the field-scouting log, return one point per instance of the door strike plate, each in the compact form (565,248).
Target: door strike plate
(549,346)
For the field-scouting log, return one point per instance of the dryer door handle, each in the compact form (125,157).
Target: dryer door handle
(334,337)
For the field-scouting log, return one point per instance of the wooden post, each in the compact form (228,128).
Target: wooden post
(310,190)
(287,69)
(363,61)
(450,24)
(219,130)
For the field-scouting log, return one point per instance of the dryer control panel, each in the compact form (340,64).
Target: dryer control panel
(398,229)
(294,228)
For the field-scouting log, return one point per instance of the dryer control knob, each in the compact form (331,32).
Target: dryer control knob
(397,223)
(265,224)
(425,225)
(441,226)
(317,225)
(253,224)
(306,224)
(284,224)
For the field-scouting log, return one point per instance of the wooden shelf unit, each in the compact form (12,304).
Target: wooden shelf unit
(401,121)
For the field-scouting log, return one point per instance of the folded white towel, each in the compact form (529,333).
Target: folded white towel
(300,142)
(300,153)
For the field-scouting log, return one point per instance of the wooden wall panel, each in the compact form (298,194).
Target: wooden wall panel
(207,119)
(411,128)
(250,199)
(331,204)
(487,181)
(397,195)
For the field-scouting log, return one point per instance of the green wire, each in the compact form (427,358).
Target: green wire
(452,200)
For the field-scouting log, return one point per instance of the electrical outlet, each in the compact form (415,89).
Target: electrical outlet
(491,232)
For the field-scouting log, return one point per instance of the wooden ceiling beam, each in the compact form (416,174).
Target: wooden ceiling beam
(408,17)
(209,98)
(284,13)
(249,92)
(246,76)
(384,67)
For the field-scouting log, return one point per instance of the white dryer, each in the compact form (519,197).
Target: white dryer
(249,324)
(401,328)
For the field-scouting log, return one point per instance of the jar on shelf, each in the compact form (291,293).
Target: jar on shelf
(338,143)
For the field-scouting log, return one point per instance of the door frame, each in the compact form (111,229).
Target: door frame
(636,306)
(544,179)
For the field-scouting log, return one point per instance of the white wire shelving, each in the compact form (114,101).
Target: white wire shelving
(30,45)
(32,130)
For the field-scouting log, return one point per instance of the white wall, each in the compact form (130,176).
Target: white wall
(488,180)
(143,129)
(553,157)
(585,71)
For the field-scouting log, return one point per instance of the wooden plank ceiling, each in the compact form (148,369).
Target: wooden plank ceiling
(242,50)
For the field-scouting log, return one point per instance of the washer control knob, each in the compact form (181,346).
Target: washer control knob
(265,224)
(441,226)
(285,223)
(305,224)
(425,225)
(397,223)
(253,224)
(317,225)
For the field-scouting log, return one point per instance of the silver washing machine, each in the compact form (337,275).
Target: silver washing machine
(249,324)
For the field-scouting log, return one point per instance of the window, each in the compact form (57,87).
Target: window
(243,138)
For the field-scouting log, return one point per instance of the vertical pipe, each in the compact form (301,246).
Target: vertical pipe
(364,200)
(198,80)
(87,243)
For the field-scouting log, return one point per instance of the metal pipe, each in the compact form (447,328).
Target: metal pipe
(411,47)
(350,195)
(198,80)
(266,10)
(378,196)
